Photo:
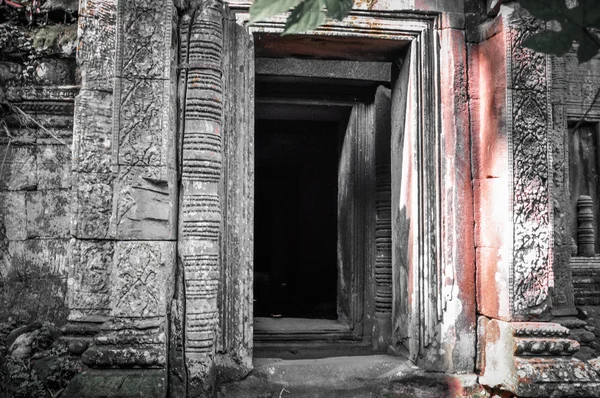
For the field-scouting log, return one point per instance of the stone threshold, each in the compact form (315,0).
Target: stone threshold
(348,376)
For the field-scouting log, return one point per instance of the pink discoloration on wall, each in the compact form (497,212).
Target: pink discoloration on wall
(490,165)
(458,263)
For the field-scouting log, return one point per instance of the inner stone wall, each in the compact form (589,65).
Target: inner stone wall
(37,88)
(574,87)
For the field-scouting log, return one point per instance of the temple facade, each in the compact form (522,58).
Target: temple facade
(409,181)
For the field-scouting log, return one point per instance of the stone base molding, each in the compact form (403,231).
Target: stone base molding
(533,359)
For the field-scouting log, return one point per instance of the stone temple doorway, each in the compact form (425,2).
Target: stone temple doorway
(376,86)
(322,206)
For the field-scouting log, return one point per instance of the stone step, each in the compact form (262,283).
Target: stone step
(593,279)
(570,322)
(585,272)
(583,293)
(587,301)
(352,377)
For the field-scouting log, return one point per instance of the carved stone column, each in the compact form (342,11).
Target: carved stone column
(514,226)
(586,242)
(382,326)
(92,248)
(383,259)
(125,191)
(199,250)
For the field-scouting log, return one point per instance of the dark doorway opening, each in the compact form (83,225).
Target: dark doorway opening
(295,247)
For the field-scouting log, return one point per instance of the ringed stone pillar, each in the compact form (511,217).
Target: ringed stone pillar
(199,250)
(518,350)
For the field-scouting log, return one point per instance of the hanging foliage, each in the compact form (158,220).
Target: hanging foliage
(305,15)
(579,23)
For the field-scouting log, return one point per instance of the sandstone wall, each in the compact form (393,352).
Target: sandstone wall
(37,88)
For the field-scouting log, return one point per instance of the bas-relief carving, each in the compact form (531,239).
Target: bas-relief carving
(145,195)
(89,279)
(92,177)
(140,123)
(91,138)
(93,205)
(531,274)
(145,49)
(141,280)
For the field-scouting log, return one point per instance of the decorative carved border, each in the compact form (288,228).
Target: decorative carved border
(531,274)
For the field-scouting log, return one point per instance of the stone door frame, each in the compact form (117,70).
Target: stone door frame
(423,297)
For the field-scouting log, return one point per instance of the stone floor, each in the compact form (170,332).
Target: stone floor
(355,376)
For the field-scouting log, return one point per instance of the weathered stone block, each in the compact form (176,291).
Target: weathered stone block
(18,170)
(89,276)
(44,256)
(56,135)
(13,215)
(53,71)
(48,214)
(487,89)
(97,44)
(10,72)
(142,280)
(51,256)
(146,200)
(54,166)
(92,137)
(583,336)
(493,295)
(92,208)
(118,383)
(492,218)
(128,357)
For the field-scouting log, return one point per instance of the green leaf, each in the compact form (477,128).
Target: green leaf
(338,9)
(587,50)
(263,9)
(308,15)
(591,18)
(547,10)
(549,42)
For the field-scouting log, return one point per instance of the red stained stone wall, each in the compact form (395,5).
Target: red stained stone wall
(487,90)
